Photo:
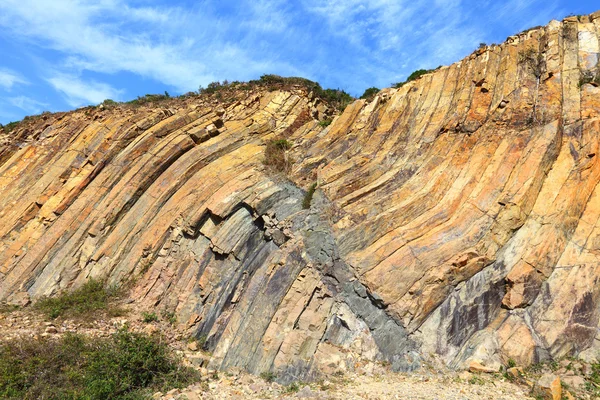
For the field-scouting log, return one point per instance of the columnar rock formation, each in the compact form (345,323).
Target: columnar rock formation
(458,215)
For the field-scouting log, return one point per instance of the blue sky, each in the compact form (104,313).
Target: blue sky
(58,55)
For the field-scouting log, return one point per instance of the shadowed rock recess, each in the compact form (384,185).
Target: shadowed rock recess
(458,215)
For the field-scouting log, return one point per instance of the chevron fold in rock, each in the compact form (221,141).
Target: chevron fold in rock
(458,215)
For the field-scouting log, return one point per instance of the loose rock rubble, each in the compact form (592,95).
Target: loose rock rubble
(382,386)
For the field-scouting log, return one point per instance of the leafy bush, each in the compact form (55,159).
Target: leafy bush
(124,366)
(292,388)
(275,155)
(370,93)
(169,316)
(80,303)
(335,97)
(109,103)
(10,126)
(149,317)
(325,123)
(149,98)
(282,144)
(212,87)
(415,75)
(268,376)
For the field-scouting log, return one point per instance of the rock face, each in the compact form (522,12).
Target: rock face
(458,215)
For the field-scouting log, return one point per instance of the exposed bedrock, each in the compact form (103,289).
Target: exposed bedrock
(458,215)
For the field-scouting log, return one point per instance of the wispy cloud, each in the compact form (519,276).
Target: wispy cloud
(93,34)
(78,92)
(9,78)
(27,104)
(350,44)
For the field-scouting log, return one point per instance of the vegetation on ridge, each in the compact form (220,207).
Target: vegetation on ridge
(370,93)
(414,76)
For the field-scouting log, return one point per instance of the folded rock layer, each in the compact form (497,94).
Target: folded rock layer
(457,215)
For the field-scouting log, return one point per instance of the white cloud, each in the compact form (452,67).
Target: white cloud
(27,104)
(10,78)
(351,44)
(76,28)
(78,92)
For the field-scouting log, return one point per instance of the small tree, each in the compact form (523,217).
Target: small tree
(369,93)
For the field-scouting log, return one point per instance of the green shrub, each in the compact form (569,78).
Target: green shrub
(169,316)
(212,87)
(335,97)
(10,126)
(80,303)
(125,366)
(282,144)
(476,380)
(268,376)
(109,103)
(325,123)
(415,75)
(309,195)
(370,93)
(149,98)
(149,317)
(292,388)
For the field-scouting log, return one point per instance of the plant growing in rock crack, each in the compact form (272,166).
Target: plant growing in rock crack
(309,195)
(276,155)
(589,77)
(533,60)
(325,123)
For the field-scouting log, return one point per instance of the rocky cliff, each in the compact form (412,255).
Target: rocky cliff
(458,215)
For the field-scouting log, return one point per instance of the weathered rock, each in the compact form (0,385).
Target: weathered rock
(574,381)
(515,372)
(458,215)
(476,366)
(548,387)
(20,299)
(51,329)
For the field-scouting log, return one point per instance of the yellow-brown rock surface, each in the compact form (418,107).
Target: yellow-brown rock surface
(458,215)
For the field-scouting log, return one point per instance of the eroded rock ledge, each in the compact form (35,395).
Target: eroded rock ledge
(457,215)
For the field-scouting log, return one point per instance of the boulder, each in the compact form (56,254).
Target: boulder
(548,387)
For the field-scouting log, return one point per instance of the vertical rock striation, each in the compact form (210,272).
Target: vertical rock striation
(458,215)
